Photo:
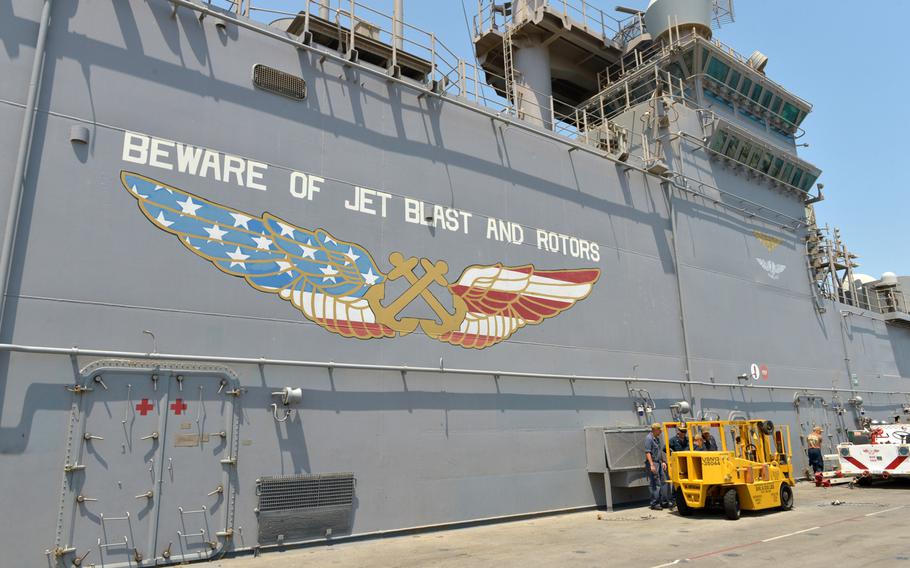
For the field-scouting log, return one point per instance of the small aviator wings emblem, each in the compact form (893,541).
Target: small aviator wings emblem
(773,269)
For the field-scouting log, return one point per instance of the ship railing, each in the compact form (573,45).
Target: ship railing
(494,15)
(630,28)
(471,82)
(637,59)
(356,22)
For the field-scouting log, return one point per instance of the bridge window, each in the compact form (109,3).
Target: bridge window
(755,158)
(785,175)
(718,143)
(761,158)
(734,79)
(790,113)
(775,169)
(718,69)
(756,93)
(745,86)
(766,100)
(775,106)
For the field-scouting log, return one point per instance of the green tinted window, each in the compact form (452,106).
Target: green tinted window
(731,147)
(744,153)
(775,169)
(808,180)
(734,79)
(756,93)
(788,171)
(766,162)
(797,177)
(755,158)
(790,113)
(719,140)
(745,86)
(766,100)
(718,69)
(704,56)
(775,106)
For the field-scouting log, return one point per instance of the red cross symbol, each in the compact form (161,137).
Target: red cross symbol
(144,407)
(178,406)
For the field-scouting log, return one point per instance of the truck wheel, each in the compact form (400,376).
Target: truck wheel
(786,497)
(731,504)
(864,481)
(684,509)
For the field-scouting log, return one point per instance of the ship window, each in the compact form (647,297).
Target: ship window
(775,169)
(718,69)
(731,147)
(744,154)
(719,140)
(797,177)
(756,93)
(734,79)
(785,175)
(766,100)
(790,113)
(808,180)
(745,86)
(755,158)
(766,162)
(704,56)
(775,106)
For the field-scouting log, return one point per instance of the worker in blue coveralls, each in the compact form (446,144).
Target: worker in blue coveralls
(656,467)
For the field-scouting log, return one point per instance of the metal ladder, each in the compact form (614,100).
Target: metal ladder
(508,67)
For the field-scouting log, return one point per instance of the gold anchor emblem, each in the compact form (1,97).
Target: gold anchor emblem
(433,272)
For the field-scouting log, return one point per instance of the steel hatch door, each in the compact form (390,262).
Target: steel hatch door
(197,476)
(114,452)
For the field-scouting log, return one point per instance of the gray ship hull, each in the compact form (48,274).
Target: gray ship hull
(432,432)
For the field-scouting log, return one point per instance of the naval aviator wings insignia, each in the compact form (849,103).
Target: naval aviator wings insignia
(338,285)
(773,269)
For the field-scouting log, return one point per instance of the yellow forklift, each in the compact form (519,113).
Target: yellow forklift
(750,470)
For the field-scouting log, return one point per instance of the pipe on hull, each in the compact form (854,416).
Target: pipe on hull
(28,123)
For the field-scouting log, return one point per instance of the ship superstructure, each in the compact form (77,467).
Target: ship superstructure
(275,276)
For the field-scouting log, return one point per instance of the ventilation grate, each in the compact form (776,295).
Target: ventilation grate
(298,508)
(291,492)
(279,82)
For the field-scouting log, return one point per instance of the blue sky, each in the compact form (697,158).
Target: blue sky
(848,63)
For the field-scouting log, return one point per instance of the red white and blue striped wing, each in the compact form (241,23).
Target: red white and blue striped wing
(323,277)
(501,300)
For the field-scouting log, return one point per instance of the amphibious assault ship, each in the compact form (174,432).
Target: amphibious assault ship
(277,276)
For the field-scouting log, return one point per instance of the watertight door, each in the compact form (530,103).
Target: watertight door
(150,466)
(198,469)
(113,456)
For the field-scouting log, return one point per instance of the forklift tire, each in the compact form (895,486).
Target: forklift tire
(731,504)
(684,509)
(786,497)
